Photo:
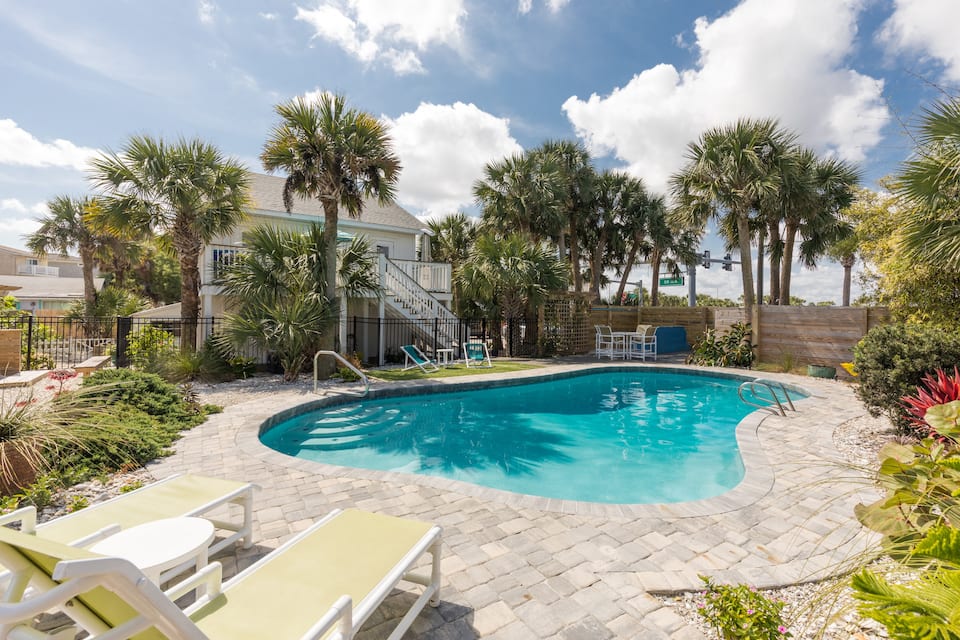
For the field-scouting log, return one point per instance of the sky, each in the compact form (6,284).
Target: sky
(462,82)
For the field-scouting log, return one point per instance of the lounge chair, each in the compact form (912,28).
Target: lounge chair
(475,354)
(307,588)
(416,358)
(178,495)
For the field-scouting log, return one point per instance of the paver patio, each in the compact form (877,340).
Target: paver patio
(524,567)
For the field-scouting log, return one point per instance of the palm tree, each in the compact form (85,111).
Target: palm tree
(277,289)
(667,244)
(521,193)
(929,186)
(338,155)
(450,242)
(508,274)
(812,210)
(187,190)
(67,227)
(619,202)
(577,177)
(728,171)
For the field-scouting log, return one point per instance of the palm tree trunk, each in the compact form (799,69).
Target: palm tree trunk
(627,268)
(790,237)
(655,259)
(847,263)
(596,260)
(89,285)
(761,240)
(330,223)
(775,264)
(746,263)
(575,255)
(188,247)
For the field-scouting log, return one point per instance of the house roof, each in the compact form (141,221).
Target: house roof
(53,256)
(46,288)
(267,195)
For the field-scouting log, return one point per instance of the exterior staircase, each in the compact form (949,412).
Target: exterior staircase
(407,299)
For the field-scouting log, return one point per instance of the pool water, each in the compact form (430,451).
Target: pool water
(612,437)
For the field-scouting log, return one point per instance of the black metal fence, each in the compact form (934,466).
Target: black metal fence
(377,341)
(52,342)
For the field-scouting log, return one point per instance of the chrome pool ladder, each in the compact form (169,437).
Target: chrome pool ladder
(761,401)
(336,356)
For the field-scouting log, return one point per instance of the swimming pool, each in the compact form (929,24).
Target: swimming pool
(634,436)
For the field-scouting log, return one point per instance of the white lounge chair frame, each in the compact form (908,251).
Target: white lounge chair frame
(83,527)
(416,358)
(156,609)
(475,353)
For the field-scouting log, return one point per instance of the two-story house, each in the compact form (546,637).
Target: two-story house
(417,290)
(46,285)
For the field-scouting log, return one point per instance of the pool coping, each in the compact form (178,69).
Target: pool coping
(758,479)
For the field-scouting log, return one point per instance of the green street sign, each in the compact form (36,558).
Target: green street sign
(671,282)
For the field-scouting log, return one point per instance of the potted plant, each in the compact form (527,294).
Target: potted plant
(821,371)
(32,433)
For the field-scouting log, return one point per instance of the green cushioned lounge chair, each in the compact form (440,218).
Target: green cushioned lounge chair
(178,495)
(324,583)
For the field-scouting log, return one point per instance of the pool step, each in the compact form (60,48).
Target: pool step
(335,443)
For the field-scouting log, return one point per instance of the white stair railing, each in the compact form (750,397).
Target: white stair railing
(416,303)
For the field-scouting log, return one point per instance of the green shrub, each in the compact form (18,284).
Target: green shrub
(146,392)
(739,612)
(891,361)
(732,349)
(149,348)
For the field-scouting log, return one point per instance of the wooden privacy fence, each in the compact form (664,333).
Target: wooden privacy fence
(813,335)
(806,335)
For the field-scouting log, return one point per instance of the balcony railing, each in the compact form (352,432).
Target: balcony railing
(432,276)
(37,270)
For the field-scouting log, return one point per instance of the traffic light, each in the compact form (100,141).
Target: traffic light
(706,260)
(727,263)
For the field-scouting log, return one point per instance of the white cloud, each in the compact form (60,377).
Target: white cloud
(17,207)
(15,223)
(525,6)
(928,27)
(389,31)
(206,12)
(443,149)
(780,59)
(268,16)
(19,147)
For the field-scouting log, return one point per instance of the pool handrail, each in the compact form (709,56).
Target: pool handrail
(771,386)
(347,364)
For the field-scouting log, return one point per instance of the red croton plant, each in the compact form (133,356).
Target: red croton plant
(940,390)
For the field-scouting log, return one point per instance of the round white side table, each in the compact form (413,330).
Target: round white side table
(157,546)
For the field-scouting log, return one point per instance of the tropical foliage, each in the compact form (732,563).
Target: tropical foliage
(68,227)
(730,349)
(277,292)
(187,190)
(740,612)
(335,154)
(891,362)
(505,276)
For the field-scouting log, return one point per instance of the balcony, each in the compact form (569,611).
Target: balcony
(432,276)
(37,270)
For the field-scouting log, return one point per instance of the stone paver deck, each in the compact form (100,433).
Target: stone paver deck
(524,567)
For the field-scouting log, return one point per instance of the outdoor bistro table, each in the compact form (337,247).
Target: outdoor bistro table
(157,546)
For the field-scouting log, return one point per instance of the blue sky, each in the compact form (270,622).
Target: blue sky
(463,82)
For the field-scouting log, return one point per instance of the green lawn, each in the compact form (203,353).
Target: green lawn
(499,366)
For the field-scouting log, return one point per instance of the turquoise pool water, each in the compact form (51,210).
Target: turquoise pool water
(612,437)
